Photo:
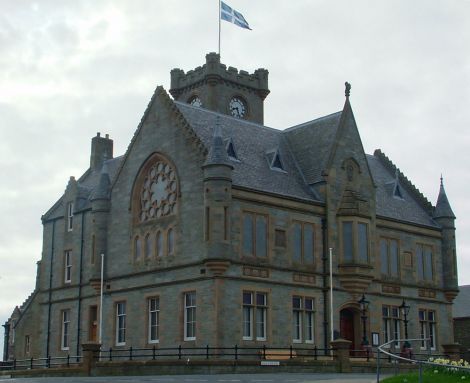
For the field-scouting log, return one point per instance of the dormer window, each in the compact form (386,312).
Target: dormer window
(231,152)
(397,191)
(274,160)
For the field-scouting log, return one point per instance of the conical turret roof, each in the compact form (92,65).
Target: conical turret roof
(217,153)
(443,208)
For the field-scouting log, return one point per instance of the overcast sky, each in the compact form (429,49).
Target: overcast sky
(69,69)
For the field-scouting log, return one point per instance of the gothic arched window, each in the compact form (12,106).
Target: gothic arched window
(156,190)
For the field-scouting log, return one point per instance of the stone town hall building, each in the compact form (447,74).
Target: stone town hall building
(215,229)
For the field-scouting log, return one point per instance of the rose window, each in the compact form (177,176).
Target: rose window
(159,190)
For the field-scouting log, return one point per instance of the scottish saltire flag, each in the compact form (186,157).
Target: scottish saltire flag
(232,16)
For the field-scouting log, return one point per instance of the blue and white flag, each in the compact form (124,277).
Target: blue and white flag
(232,16)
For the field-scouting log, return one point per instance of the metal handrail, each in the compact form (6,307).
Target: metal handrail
(413,361)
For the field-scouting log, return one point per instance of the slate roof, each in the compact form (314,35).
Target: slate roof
(313,142)
(304,150)
(252,142)
(443,208)
(87,184)
(461,306)
(388,205)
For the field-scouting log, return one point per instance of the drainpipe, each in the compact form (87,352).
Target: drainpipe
(6,341)
(82,234)
(325,285)
(50,290)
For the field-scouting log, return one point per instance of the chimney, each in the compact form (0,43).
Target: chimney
(101,150)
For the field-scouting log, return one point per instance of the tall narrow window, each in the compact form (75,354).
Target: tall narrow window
(120,323)
(255,233)
(363,242)
(27,344)
(248,316)
(261,313)
(261,236)
(171,241)
(297,316)
(248,234)
(389,257)
(309,320)
(347,241)
(386,324)
(68,266)
(137,248)
(158,244)
(190,316)
(303,243)
(148,246)
(424,262)
(64,344)
(153,319)
(70,216)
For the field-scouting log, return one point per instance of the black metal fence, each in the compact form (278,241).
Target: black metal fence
(49,362)
(207,352)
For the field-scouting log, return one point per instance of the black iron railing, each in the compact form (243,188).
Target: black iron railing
(48,362)
(207,352)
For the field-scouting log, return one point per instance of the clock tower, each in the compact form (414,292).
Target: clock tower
(229,91)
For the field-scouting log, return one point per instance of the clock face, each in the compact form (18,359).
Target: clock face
(237,107)
(195,101)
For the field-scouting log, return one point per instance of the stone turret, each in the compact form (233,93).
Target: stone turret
(445,217)
(217,203)
(100,206)
(213,86)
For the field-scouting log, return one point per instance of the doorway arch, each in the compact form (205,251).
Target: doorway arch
(349,326)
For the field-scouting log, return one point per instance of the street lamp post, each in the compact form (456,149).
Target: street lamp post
(405,309)
(364,304)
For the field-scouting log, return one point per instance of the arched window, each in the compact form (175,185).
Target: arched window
(158,244)
(137,248)
(170,241)
(148,246)
(156,190)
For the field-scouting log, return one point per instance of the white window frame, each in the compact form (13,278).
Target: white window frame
(154,313)
(303,320)
(70,216)
(309,324)
(187,309)
(426,327)
(297,320)
(118,323)
(248,319)
(261,313)
(64,337)
(68,266)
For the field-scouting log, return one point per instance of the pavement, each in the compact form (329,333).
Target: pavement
(220,378)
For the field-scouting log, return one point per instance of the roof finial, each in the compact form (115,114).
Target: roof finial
(347,90)
(442,180)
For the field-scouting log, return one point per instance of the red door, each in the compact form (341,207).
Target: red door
(346,326)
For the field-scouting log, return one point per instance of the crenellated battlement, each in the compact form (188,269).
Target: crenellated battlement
(214,72)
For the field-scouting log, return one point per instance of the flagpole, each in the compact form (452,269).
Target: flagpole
(219,27)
